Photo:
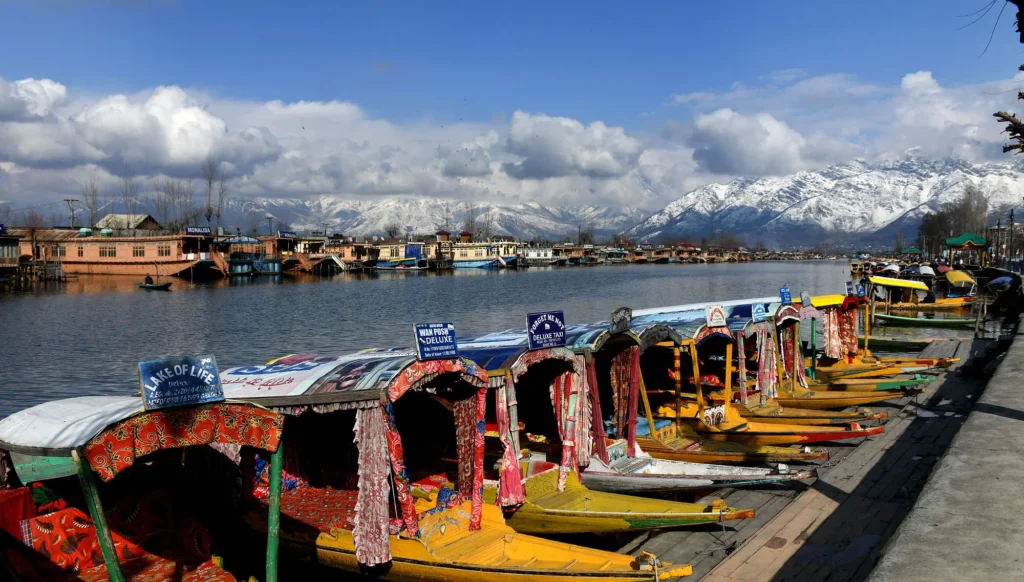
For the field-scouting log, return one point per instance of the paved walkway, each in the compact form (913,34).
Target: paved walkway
(835,529)
(969,522)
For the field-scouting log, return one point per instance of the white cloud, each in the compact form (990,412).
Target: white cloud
(30,99)
(554,147)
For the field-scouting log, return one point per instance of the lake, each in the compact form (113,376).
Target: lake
(87,336)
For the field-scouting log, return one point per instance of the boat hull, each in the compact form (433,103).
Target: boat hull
(900,321)
(729,453)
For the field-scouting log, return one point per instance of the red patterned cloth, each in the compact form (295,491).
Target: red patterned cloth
(565,397)
(597,426)
(398,473)
(464,412)
(116,448)
(370,527)
(741,358)
(322,507)
(848,331)
(16,505)
(830,329)
(706,332)
(421,372)
(150,568)
(68,540)
(477,507)
(791,354)
(510,484)
(767,360)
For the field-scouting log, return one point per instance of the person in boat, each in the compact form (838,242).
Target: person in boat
(149,280)
(929,298)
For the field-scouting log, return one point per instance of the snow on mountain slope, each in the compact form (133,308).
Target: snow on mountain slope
(360,217)
(857,197)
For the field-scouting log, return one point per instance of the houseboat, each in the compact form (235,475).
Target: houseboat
(542,256)
(247,256)
(399,254)
(615,256)
(137,252)
(498,253)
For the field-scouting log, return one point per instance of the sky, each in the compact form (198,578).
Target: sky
(564,103)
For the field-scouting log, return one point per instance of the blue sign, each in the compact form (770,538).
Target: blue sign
(861,292)
(545,330)
(204,230)
(290,234)
(436,341)
(179,382)
(849,287)
(785,295)
(759,313)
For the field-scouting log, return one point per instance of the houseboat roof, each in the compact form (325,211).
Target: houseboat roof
(69,235)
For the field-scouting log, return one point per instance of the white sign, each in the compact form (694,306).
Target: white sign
(759,313)
(715,315)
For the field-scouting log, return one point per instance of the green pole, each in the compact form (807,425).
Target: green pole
(274,511)
(99,519)
(814,350)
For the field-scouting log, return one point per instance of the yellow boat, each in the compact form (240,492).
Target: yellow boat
(416,424)
(960,280)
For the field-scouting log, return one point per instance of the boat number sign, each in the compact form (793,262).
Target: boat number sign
(785,295)
(759,313)
(179,382)
(546,329)
(621,318)
(861,292)
(849,287)
(436,341)
(715,315)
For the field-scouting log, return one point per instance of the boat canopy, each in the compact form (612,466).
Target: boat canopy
(823,300)
(904,283)
(959,278)
(112,431)
(787,314)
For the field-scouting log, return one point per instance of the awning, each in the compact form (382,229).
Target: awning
(959,278)
(903,283)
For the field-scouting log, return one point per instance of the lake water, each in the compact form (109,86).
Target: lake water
(87,336)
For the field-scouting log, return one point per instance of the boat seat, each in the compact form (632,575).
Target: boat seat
(662,428)
(627,465)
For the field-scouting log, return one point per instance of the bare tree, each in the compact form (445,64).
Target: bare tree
(222,194)
(254,222)
(192,212)
(392,229)
(469,212)
(33,221)
(899,242)
(210,176)
(91,198)
(444,218)
(129,193)
(485,224)
(5,214)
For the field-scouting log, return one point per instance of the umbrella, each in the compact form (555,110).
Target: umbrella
(926,270)
(943,268)
(892,269)
(1000,284)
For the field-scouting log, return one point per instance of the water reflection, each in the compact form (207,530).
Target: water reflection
(87,336)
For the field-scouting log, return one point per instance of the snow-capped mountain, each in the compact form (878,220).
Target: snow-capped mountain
(871,200)
(358,217)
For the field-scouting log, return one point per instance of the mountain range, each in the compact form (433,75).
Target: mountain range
(865,202)
(868,201)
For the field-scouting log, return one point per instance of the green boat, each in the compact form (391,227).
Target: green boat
(898,320)
(901,382)
(896,344)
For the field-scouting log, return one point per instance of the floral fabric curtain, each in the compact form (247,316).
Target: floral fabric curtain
(371,516)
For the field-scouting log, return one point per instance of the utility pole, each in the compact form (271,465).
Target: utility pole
(325,231)
(579,235)
(1010,244)
(72,209)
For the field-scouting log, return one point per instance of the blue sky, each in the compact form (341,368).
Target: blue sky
(412,60)
(565,102)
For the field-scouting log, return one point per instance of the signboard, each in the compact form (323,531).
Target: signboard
(805,299)
(849,287)
(785,295)
(179,382)
(621,318)
(546,329)
(203,230)
(436,341)
(286,234)
(758,313)
(715,315)
(861,292)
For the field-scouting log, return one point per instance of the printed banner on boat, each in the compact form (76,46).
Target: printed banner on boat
(179,382)
(436,341)
(287,376)
(545,329)
(785,295)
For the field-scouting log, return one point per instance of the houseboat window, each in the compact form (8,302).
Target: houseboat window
(59,250)
(138,251)
(394,252)
(163,251)
(479,252)
(108,251)
(463,254)
(81,251)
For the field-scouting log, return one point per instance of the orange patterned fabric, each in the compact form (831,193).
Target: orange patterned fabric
(68,540)
(150,568)
(421,372)
(116,448)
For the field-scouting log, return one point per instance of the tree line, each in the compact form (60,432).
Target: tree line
(952,219)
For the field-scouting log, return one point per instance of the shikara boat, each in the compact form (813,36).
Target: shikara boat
(959,287)
(155,286)
(944,322)
(154,512)
(897,344)
(552,395)
(723,421)
(422,423)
